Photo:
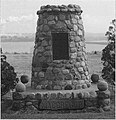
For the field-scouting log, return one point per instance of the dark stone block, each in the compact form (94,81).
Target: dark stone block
(38,96)
(62,104)
(103,94)
(30,97)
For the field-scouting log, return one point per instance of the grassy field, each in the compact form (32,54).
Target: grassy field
(22,65)
(68,115)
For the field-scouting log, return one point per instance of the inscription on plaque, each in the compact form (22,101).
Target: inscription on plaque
(62,104)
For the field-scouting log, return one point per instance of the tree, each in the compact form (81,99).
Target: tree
(8,76)
(108,54)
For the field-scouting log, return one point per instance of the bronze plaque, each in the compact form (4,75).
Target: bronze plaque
(62,104)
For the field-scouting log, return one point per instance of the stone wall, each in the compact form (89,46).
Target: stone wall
(48,73)
(61,101)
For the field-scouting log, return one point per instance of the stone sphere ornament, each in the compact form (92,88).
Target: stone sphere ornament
(102,85)
(94,78)
(24,79)
(20,87)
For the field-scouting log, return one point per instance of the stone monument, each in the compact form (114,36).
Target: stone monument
(59,57)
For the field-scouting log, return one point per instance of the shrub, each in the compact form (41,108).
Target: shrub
(8,76)
(108,55)
(68,87)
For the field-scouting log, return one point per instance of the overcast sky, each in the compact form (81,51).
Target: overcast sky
(19,16)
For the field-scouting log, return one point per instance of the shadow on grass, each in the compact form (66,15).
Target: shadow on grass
(69,114)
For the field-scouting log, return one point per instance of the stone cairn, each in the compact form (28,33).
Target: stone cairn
(56,74)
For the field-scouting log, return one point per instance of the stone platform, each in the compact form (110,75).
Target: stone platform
(56,99)
(61,100)
(30,90)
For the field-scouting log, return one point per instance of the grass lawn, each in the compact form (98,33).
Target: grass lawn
(55,115)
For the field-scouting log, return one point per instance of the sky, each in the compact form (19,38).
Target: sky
(19,16)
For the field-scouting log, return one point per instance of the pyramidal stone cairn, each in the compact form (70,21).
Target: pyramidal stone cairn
(59,57)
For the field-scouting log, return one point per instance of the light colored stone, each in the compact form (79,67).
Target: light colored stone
(28,103)
(72,44)
(86,73)
(72,38)
(77,39)
(47,53)
(80,69)
(50,42)
(79,49)
(67,95)
(88,78)
(44,43)
(79,54)
(74,82)
(80,21)
(65,71)
(41,59)
(36,69)
(45,28)
(41,74)
(51,22)
(77,64)
(77,17)
(75,28)
(67,22)
(68,77)
(81,82)
(78,87)
(80,27)
(77,76)
(39,87)
(40,49)
(57,87)
(48,47)
(73,50)
(80,32)
(45,21)
(48,33)
(60,24)
(84,86)
(83,63)
(77,44)
(73,55)
(72,33)
(84,49)
(48,59)
(81,43)
(40,28)
(74,21)
(69,82)
(56,70)
(35,74)
(83,77)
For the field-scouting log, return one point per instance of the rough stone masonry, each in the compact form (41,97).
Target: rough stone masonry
(59,57)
